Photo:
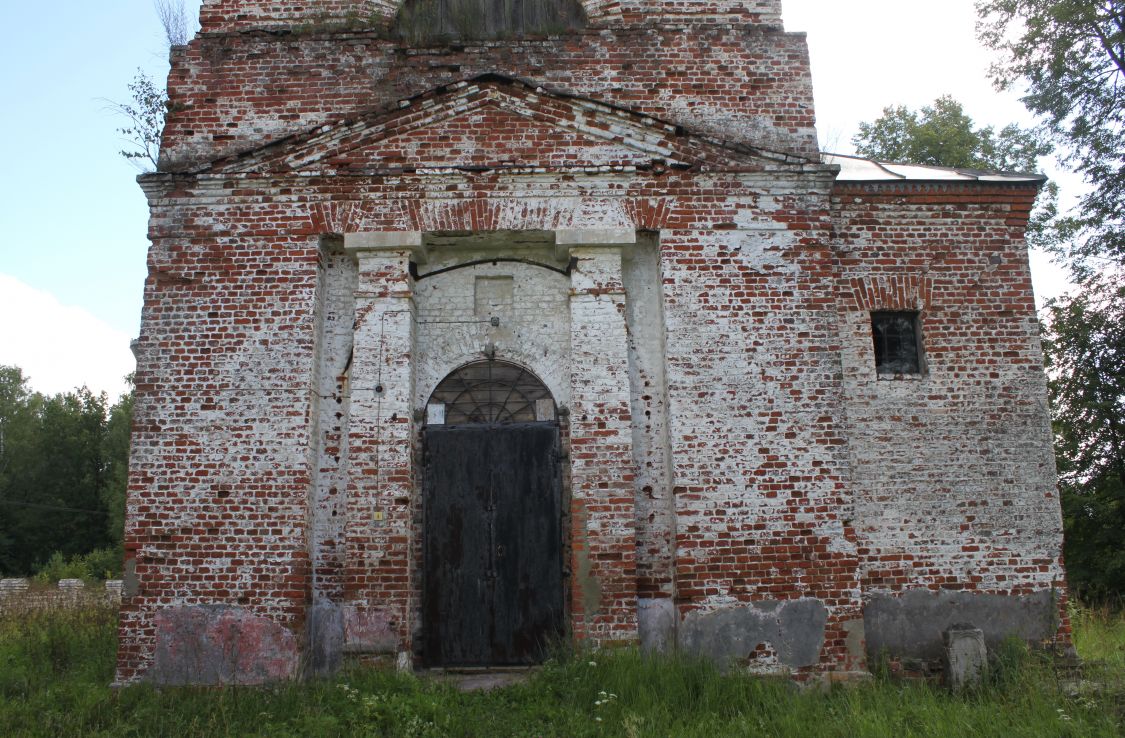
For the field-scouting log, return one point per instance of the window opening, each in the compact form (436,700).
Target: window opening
(898,342)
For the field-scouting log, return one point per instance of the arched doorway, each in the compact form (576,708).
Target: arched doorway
(493,589)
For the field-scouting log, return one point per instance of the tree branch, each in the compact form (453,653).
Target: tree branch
(1116,56)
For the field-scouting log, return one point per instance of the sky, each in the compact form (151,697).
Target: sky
(73,220)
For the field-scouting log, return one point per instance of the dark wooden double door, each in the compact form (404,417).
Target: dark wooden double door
(493,587)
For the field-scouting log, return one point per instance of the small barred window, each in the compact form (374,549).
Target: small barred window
(898,342)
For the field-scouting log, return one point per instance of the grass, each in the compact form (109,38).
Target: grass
(55,668)
(1099,637)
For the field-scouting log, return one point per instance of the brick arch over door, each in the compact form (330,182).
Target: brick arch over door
(492,391)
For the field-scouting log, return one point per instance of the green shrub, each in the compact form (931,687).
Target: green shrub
(99,564)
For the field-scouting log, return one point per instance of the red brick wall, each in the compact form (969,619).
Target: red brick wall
(226,15)
(233,93)
(804,486)
(217,508)
(953,471)
(754,385)
(798,474)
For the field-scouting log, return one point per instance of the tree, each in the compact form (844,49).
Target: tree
(18,409)
(1070,57)
(943,135)
(148,109)
(1085,350)
(62,472)
(174,19)
(146,115)
(115,451)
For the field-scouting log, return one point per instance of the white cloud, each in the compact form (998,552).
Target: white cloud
(60,347)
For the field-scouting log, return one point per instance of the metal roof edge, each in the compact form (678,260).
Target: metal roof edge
(858,169)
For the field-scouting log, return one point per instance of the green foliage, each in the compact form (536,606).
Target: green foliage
(145,114)
(99,564)
(1084,343)
(1069,56)
(62,473)
(55,669)
(943,135)
(1009,664)
(115,455)
(40,650)
(372,23)
(1099,636)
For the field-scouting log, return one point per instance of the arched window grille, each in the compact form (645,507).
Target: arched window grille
(493,392)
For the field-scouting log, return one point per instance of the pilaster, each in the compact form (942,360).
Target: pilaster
(604,588)
(378,579)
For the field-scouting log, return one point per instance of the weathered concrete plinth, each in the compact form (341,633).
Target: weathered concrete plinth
(966,656)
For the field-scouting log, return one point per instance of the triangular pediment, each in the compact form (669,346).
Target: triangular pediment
(495,123)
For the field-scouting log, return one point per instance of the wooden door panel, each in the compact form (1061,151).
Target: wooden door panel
(528,605)
(456,595)
(493,592)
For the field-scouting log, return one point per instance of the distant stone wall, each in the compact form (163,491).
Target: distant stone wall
(22,595)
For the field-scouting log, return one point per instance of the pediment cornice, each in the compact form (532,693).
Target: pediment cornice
(596,136)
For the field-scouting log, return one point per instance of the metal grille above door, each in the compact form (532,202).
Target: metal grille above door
(491,392)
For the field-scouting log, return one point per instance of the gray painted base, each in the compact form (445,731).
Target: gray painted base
(325,653)
(791,632)
(911,625)
(656,623)
(216,644)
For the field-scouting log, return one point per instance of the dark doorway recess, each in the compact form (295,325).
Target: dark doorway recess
(493,593)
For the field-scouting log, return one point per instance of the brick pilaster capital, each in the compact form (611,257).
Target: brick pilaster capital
(568,240)
(387,241)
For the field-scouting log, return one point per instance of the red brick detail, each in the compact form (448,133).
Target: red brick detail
(233,93)
(798,473)
(228,15)
(956,254)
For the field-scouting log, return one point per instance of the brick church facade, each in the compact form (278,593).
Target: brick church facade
(452,348)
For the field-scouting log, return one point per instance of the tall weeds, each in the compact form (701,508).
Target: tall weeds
(55,668)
